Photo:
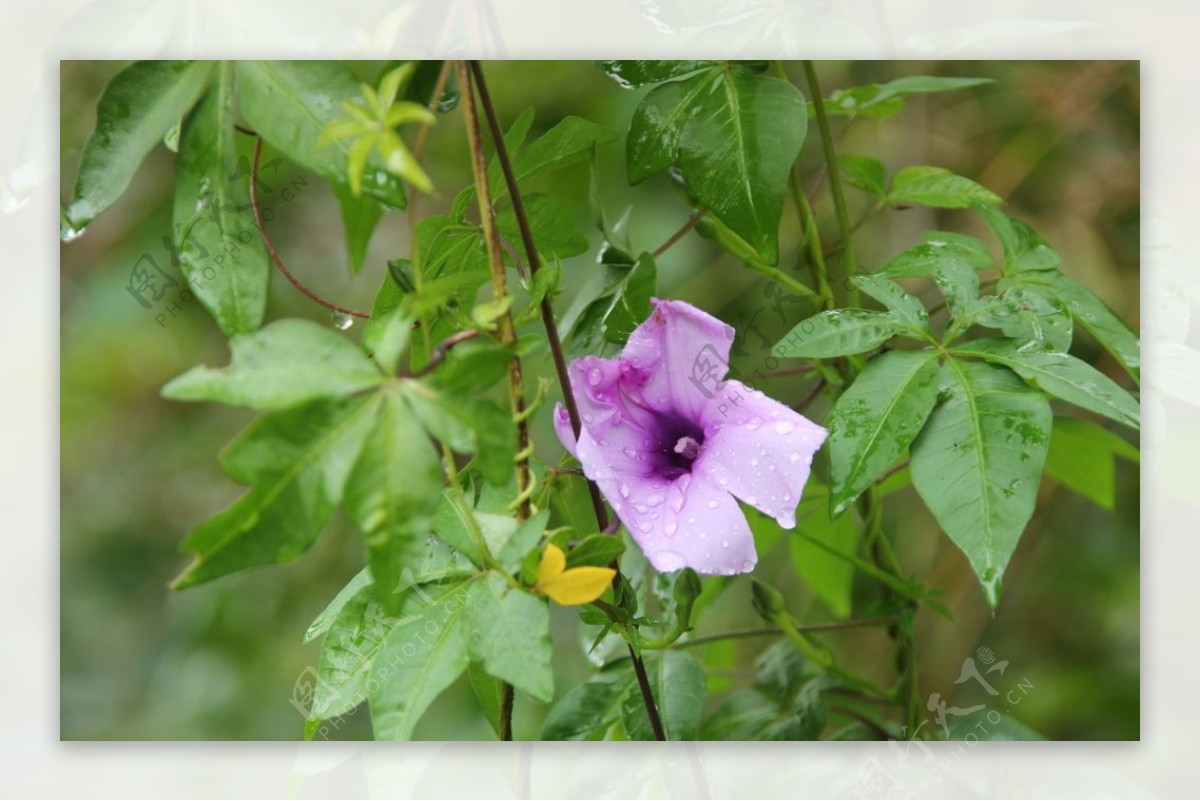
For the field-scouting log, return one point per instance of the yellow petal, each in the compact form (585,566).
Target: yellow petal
(551,566)
(579,585)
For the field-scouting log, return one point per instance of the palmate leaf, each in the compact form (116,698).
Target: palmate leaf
(291,103)
(508,632)
(977,462)
(591,708)
(297,460)
(838,332)
(639,73)
(227,271)
(883,100)
(360,216)
(424,653)
(782,705)
(938,188)
(1060,375)
(552,223)
(286,363)
(137,108)
(348,653)
(610,306)
(876,419)
(393,492)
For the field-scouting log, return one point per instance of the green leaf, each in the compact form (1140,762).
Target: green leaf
(866,173)
(780,706)
(904,307)
(451,524)
(324,620)
(838,332)
(969,248)
(393,492)
(389,328)
(1026,316)
(631,74)
(939,249)
(589,709)
(876,419)
(679,688)
(1090,312)
(489,691)
(528,534)
(654,131)
(1082,456)
(1060,375)
(1024,249)
(508,632)
(297,461)
(228,272)
(139,105)
(291,103)
(959,284)
(610,307)
(423,655)
(736,149)
(568,142)
(977,462)
(883,100)
(830,577)
(600,550)
(552,223)
(347,655)
(938,188)
(286,363)
(360,215)
(469,425)
(979,725)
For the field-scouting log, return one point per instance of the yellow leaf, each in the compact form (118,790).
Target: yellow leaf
(551,566)
(579,585)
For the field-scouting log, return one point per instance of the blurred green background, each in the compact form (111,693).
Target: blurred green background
(1058,140)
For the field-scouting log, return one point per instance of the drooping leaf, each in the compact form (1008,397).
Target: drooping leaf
(138,107)
(286,363)
(977,463)
(938,188)
(570,141)
(1082,457)
(389,328)
(360,216)
(589,709)
(679,688)
(876,419)
(423,655)
(452,524)
(1024,250)
(392,493)
(1060,375)
(631,74)
(468,425)
(489,692)
(736,149)
(838,332)
(297,461)
(291,104)
(508,632)
(227,271)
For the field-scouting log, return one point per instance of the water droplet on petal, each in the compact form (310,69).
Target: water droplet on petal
(724,543)
(671,527)
(753,425)
(747,566)
(724,482)
(654,499)
(713,504)
(785,427)
(594,376)
(341,321)
(644,525)
(667,561)
(624,489)
(795,457)
(752,499)
(754,462)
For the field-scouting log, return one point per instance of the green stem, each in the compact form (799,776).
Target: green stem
(821,656)
(812,238)
(835,180)
(744,634)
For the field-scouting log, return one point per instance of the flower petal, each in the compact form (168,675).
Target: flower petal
(679,354)
(562,427)
(688,522)
(758,449)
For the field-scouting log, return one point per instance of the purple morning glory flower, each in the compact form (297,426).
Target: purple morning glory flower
(671,443)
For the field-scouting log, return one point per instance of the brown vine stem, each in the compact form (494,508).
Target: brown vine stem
(262,230)
(696,217)
(555,342)
(506,330)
